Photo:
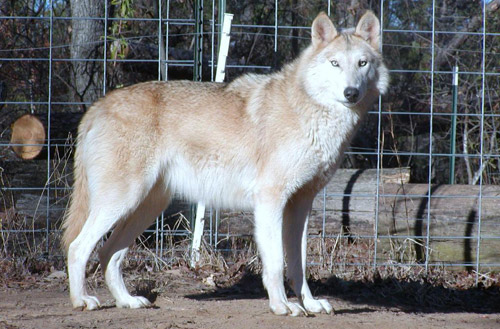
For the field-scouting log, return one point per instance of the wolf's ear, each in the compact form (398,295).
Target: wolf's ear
(369,29)
(323,31)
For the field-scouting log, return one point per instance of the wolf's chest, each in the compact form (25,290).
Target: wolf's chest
(331,134)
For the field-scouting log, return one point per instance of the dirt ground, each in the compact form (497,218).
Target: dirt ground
(187,301)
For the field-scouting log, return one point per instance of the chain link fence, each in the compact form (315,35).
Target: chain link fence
(419,185)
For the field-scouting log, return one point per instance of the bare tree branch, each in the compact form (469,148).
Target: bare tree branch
(458,39)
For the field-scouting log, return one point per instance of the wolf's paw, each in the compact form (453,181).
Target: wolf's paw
(317,305)
(287,308)
(133,302)
(86,302)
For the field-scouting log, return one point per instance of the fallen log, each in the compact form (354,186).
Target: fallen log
(28,178)
(404,218)
(449,219)
(347,202)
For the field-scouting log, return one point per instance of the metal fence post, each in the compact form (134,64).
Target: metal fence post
(453,134)
(198,47)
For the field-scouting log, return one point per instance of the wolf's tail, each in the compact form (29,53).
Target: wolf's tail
(78,211)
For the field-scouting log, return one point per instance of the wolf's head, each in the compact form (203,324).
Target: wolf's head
(345,67)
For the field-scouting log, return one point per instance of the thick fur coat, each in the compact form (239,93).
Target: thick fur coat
(266,143)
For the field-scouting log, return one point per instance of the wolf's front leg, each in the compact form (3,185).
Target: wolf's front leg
(296,217)
(268,234)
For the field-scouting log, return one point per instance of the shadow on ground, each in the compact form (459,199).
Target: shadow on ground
(406,296)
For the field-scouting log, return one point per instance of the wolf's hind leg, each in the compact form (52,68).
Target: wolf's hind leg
(114,250)
(98,223)
(295,219)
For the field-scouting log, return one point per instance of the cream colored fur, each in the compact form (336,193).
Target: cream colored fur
(266,143)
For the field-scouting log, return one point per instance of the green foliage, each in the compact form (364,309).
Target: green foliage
(119,46)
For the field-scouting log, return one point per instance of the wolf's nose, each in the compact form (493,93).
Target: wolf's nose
(351,94)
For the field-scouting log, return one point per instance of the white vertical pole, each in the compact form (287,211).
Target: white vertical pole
(431,147)
(379,149)
(219,77)
(198,233)
(224,48)
(481,147)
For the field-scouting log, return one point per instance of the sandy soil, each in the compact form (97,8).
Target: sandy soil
(186,301)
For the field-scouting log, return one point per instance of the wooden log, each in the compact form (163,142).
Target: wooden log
(350,201)
(449,217)
(32,203)
(403,218)
(28,136)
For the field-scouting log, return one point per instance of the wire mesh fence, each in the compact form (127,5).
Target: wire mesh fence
(420,184)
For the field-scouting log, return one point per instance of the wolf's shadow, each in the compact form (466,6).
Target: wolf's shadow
(404,295)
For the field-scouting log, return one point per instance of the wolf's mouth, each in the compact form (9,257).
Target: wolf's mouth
(348,103)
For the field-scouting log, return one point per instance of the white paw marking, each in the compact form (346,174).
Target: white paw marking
(288,308)
(133,302)
(86,302)
(317,305)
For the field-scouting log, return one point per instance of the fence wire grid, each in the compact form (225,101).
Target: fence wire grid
(419,185)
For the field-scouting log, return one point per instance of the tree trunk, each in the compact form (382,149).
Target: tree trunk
(87,44)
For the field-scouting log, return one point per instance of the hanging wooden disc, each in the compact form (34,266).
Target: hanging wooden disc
(28,133)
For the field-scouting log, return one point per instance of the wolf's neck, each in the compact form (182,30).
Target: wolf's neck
(329,129)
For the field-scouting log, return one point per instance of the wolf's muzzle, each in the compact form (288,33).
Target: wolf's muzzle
(351,94)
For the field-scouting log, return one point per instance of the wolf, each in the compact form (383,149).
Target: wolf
(266,143)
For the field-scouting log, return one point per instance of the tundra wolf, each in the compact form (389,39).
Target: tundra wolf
(266,143)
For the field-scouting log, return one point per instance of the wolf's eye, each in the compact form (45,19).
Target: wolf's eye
(334,63)
(362,63)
